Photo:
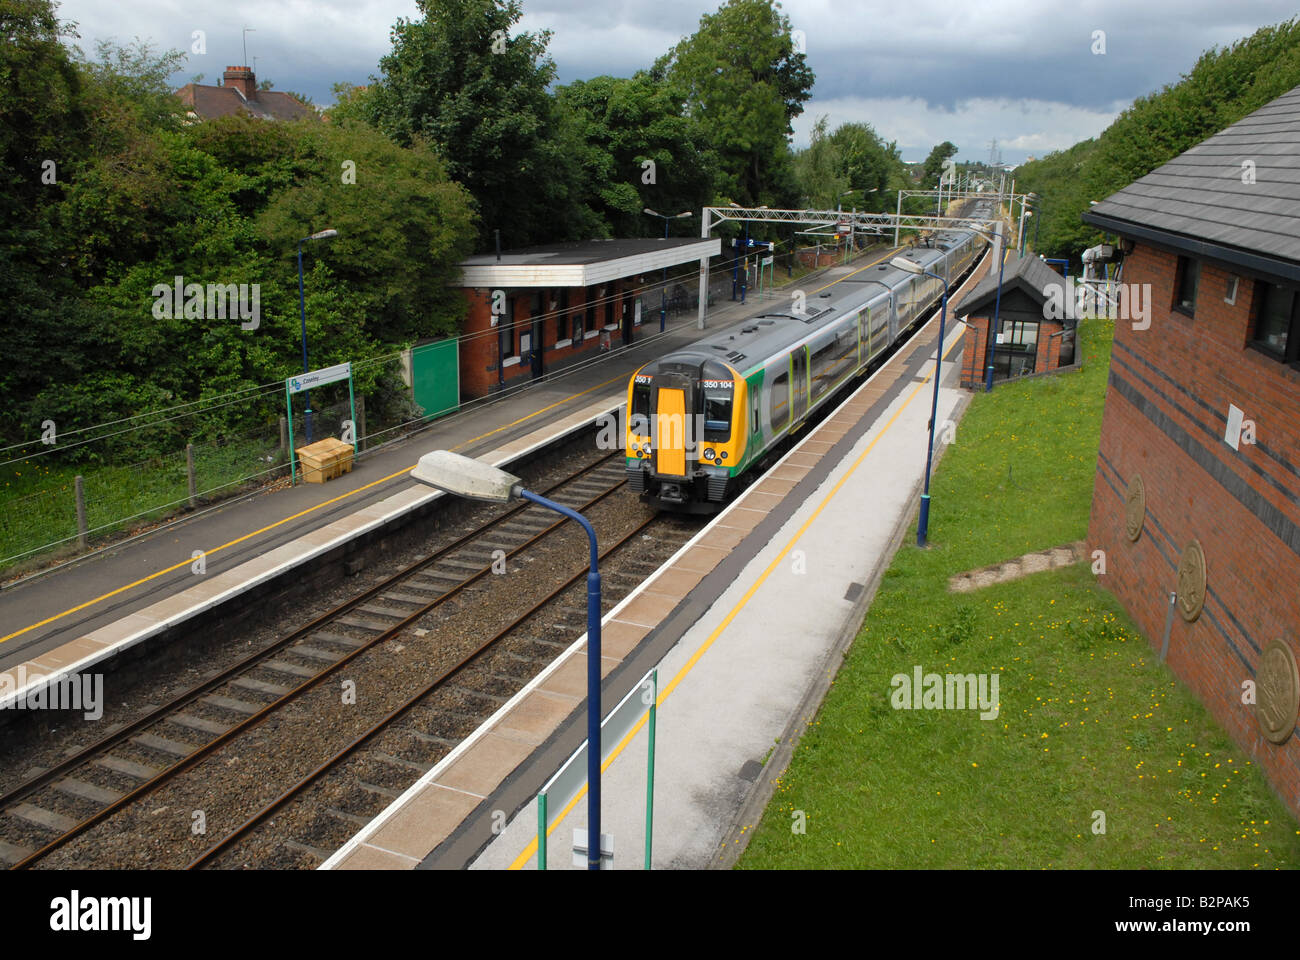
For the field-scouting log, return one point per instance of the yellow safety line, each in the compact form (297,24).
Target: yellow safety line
(483,436)
(531,849)
(303,513)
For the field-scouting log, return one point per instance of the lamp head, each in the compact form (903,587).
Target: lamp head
(466,477)
(902,263)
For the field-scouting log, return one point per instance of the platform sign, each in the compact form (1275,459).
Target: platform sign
(561,793)
(318,378)
(308,381)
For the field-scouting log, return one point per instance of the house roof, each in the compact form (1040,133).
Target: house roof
(208,103)
(1233,197)
(1029,274)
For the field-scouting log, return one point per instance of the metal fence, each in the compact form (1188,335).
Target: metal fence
(93,490)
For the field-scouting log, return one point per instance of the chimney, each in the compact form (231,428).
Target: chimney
(242,79)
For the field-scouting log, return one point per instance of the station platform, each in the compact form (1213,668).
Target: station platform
(87,611)
(745,625)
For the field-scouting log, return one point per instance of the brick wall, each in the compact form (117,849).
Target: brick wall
(973,349)
(1165,414)
(973,372)
(1048,355)
(813,260)
(480,342)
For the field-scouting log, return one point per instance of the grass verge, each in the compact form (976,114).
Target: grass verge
(1092,733)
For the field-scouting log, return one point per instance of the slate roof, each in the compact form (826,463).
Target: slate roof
(1029,274)
(1197,201)
(579,252)
(209,103)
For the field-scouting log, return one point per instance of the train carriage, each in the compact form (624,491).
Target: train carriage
(700,418)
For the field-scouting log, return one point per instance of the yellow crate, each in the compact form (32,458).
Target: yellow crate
(325,460)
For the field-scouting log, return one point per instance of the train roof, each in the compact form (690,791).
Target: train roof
(776,327)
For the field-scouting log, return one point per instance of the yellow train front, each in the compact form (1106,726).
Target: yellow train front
(686,430)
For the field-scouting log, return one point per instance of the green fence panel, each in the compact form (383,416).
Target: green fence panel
(435,377)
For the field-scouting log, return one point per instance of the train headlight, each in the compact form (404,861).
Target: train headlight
(708,454)
(645,447)
(723,455)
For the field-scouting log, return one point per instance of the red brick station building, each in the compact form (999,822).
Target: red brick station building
(1197,496)
(537,310)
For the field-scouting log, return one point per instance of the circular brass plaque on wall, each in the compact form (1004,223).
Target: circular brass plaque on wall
(1135,507)
(1277,692)
(1191,581)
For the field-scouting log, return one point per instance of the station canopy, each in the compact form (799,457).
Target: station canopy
(583,264)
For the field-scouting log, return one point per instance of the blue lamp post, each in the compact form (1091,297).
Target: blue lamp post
(911,266)
(464,477)
(663,292)
(997,313)
(302,311)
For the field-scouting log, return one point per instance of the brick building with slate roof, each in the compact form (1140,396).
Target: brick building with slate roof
(1196,502)
(537,310)
(239,94)
(1034,337)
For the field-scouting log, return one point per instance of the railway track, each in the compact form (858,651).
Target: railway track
(465,693)
(50,810)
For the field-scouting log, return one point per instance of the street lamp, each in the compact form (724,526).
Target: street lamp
(302,311)
(991,346)
(911,266)
(464,477)
(663,292)
(1024,212)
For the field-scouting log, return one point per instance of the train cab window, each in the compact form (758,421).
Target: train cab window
(639,422)
(717,413)
(780,401)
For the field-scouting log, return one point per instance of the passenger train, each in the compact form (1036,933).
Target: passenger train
(700,418)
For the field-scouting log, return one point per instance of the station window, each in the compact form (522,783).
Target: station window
(535,303)
(823,360)
(577,328)
(507,339)
(780,401)
(1277,324)
(1185,281)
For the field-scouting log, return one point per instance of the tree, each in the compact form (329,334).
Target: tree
(819,169)
(869,164)
(744,84)
(459,79)
(636,149)
(934,164)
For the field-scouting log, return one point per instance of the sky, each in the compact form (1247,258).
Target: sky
(1034,75)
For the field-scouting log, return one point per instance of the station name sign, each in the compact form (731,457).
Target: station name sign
(318,378)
